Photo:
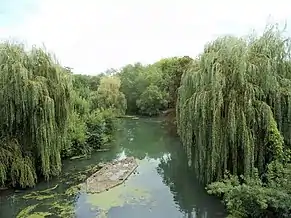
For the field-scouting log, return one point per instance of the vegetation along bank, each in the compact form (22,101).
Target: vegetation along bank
(231,106)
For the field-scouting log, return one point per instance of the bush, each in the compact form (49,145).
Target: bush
(250,197)
(77,137)
(100,124)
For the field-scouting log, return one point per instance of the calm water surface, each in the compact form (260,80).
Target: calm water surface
(163,185)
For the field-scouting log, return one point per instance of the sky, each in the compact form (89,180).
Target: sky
(91,36)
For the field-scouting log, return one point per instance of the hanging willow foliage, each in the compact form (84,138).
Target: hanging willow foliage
(234,105)
(34,108)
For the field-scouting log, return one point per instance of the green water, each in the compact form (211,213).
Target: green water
(162,186)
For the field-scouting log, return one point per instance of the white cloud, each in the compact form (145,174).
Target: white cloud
(93,35)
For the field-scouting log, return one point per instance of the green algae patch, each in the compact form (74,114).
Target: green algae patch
(64,208)
(26,211)
(39,197)
(73,190)
(118,197)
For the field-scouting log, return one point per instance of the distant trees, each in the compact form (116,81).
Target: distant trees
(108,95)
(152,88)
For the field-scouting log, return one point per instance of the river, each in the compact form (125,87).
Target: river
(163,185)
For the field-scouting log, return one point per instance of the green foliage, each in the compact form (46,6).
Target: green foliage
(251,197)
(234,105)
(133,84)
(233,114)
(172,70)
(151,101)
(80,104)
(85,84)
(77,137)
(161,79)
(108,95)
(101,126)
(35,106)
(92,126)
(47,114)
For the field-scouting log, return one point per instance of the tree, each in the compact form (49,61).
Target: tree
(133,83)
(233,114)
(233,106)
(35,106)
(151,101)
(108,95)
(172,70)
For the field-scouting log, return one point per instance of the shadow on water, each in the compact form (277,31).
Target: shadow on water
(162,186)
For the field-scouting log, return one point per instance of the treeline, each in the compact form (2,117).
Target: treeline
(234,118)
(150,89)
(47,114)
(232,104)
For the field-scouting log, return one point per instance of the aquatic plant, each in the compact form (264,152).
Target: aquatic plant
(26,211)
(119,196)
(35,105)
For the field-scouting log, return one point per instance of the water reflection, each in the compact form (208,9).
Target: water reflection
(147,140)
(191,197)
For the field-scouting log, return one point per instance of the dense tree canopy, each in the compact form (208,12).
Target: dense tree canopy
(172,70)
(234,106)
(92,120)
(47,113)
(150,89)
(151,101)
(108,95)
(35,106)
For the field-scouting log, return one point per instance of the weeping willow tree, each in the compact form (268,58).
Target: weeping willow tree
(34,109)
(234,105)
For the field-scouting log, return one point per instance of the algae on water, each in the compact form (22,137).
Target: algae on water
(65,208)
(59,205)
(73,190)
(41,195)
(26,211)
(118,197)
(38,196)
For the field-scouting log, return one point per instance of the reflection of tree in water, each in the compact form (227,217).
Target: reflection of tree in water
(141,138)
(188,194)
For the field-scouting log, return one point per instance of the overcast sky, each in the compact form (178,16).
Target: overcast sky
(93,35)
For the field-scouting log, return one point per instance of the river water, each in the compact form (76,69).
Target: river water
(163,185)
